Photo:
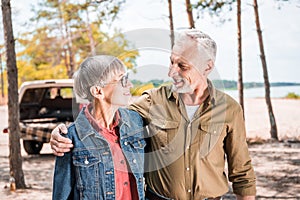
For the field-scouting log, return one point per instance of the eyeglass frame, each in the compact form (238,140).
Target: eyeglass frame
(124,81)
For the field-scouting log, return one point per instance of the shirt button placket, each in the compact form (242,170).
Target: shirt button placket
(187,161)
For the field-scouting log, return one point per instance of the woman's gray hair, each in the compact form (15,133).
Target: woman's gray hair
(204,41)
(96,70)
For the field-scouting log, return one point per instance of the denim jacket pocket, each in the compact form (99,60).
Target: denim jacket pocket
(85,158)
(137,143)
(88,167)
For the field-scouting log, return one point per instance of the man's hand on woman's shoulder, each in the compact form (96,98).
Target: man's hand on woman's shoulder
(58,143)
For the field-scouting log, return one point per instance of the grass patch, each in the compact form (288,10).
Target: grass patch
(292,95)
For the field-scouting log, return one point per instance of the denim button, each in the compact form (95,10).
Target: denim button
(86,161)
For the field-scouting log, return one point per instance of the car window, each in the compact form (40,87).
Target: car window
(33,95)
(55,92)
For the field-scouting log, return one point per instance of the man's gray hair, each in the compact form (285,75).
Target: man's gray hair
(95,70)
(204,41)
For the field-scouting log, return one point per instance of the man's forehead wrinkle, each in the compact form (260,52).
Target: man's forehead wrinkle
(178,58)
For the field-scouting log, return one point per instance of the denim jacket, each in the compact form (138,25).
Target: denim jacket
(87,172)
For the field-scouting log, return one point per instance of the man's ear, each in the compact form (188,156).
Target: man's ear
(96,91)
(209,67)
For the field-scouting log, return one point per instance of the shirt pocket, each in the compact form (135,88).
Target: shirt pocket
(208,136)
(163,131)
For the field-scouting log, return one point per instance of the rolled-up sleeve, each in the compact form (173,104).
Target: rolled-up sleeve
(240,169)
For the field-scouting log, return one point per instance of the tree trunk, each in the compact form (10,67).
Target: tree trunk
(64,39)
(2,78)
(189,11)
(15,158)
(67,44)
(90,34)
(240,66)
(171,23)
(70,51)
(273,130)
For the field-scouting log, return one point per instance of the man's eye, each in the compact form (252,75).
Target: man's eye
(181,66)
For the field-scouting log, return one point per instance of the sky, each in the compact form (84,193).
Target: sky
(280,23)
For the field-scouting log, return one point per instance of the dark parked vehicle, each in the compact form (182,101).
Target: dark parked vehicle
(43,105)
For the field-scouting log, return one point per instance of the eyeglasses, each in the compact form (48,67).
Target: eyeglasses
(124,81)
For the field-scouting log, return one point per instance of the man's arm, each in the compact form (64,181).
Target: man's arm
(240,169)
(58,143)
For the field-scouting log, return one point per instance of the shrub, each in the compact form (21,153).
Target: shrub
(292,95)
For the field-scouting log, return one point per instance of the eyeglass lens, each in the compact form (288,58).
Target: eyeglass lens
(124,80)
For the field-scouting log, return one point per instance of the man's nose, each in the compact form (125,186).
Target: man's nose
(173,70)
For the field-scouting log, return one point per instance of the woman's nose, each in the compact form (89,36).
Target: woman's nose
(129,84)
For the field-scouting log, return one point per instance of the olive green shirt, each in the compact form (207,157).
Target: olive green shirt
(186,158)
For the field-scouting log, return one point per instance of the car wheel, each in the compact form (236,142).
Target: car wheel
(32,147)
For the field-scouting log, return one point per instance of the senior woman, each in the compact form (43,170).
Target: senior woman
(107,159)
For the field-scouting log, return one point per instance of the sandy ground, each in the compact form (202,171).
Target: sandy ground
(277,164)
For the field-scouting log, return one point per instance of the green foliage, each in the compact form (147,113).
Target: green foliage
(67,32)
(28,72)
(292,95)
(225,84)
(213,7)
(118,46)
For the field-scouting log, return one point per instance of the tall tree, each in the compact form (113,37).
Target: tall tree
(240,57)
(171,22)
(68,32)
(15,158)
(74,31)
(273,130)
(189,11)
(2,78)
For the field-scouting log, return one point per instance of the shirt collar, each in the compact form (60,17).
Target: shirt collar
(212,92)
(96,125)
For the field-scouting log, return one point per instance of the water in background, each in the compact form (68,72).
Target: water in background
(275,92)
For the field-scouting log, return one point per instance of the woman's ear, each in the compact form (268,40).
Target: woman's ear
(96,91)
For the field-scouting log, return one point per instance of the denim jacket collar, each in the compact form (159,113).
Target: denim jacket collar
(84,129)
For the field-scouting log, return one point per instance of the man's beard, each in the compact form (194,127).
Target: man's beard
(184,89)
